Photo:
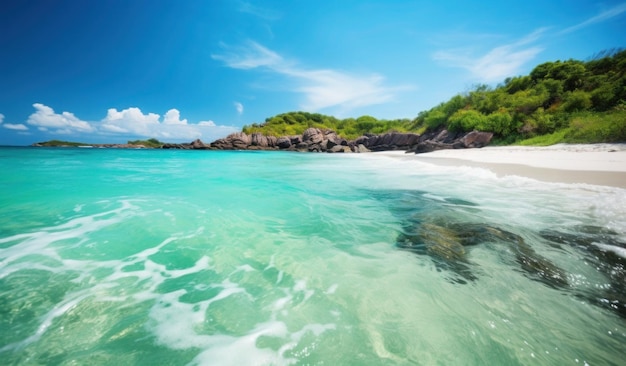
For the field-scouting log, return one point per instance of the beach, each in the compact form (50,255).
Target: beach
(597,164)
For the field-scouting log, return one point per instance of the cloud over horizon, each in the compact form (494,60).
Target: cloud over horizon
(321,88)
(45,119)
(130,122)
(11,126)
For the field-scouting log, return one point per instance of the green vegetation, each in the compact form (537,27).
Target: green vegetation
(562,101)
(153,143)
(294,123)
(59,143)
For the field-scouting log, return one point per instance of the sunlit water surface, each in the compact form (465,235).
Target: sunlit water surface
(242,258)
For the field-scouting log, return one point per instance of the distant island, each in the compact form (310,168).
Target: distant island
(137,144)
(558,102)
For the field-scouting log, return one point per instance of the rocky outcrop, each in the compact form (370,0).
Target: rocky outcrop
(388,141)
(319,140)
(312,140)
(445,139)
(194,145)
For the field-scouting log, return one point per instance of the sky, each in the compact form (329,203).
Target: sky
(120,70)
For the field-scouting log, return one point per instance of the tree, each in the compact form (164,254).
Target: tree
(577,101)
(466,120)
(500,122)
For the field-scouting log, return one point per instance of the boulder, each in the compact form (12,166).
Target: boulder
(362,140)
(476,139)
(389,141)
(258,139)
(295,140)
(339,149)
(327,144)
(283,142)
(447,140)
(271,141)
(430,145)
(302,146)
(197,144)
(239,139)
(312,136)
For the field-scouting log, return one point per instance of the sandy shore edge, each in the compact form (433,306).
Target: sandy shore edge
(597,164)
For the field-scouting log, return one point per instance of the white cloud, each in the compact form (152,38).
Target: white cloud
(605,15)
(327,88)
(250,56)
(172,117)
(66,122)
(238,107)
(12,126)
(16,127)
(498,63)
(322,88)
(130,122)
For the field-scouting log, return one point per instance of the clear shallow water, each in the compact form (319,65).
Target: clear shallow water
(233,258)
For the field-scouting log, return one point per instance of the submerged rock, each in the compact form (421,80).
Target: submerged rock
(447,242)
(442,244)
(607,253)
(427,230)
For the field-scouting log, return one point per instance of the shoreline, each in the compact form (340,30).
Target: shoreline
(596,164)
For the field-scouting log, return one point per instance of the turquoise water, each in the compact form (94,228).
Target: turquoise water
(156,257)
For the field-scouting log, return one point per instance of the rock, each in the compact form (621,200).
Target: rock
(197,144)
(602,248)
(446,140)
(312,136)
(295,140)
(388,141)
(317,140)
(446,243)
(176,146)
(429,145)
(329,144)
(339,149)
(302,146)
(283,142)
(362,140)
(314,148)
(239,140)
(258,139)
(476,139)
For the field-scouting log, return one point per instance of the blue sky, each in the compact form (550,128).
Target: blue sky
(111,71)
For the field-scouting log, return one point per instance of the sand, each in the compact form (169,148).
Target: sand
(598,164)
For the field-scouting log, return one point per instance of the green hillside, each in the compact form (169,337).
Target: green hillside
(294,123)
(562,101)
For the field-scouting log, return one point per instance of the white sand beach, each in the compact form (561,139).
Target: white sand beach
(598,164)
